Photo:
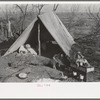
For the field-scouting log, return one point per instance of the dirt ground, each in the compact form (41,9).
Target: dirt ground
(37,68)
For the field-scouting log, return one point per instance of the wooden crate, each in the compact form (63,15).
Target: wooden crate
(86,72)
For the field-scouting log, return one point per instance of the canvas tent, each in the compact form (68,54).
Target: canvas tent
(51,28)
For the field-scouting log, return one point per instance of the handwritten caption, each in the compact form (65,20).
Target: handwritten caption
(43,85)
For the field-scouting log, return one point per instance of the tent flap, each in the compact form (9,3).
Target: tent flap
(22,38)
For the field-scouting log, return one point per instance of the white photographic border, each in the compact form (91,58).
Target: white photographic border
(50,90)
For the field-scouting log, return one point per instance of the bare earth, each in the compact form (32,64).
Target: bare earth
(37,68)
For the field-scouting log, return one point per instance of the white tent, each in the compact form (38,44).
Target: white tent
(50,26)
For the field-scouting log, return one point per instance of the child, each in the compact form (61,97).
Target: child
(81,61)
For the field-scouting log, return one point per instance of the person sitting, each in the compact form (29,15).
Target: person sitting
(78,59)
(78,55)
(30,50)
(22,50)
(81,61)
(86,63)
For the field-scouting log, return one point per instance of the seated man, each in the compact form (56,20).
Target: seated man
(61,61)
(57,60)
(30,50)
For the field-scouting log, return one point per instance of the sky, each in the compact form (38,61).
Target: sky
(61,7)
(81,7)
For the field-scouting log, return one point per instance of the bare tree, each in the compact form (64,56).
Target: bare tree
(7,15)
(23,10)
(74,9)
(39,8)
(95,18)
(32,10)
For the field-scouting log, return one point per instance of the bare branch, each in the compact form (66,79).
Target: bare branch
(40,7)
(20,8)
(55,7)
(22,17)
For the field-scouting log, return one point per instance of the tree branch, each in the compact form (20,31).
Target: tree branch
(55,7)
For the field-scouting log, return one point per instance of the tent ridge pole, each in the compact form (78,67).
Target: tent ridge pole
(39,42)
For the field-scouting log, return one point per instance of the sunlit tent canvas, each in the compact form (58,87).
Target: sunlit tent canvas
(51,28)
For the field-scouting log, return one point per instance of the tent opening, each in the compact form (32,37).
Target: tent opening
(49,46)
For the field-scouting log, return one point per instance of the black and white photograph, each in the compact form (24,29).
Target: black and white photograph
(42,42)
